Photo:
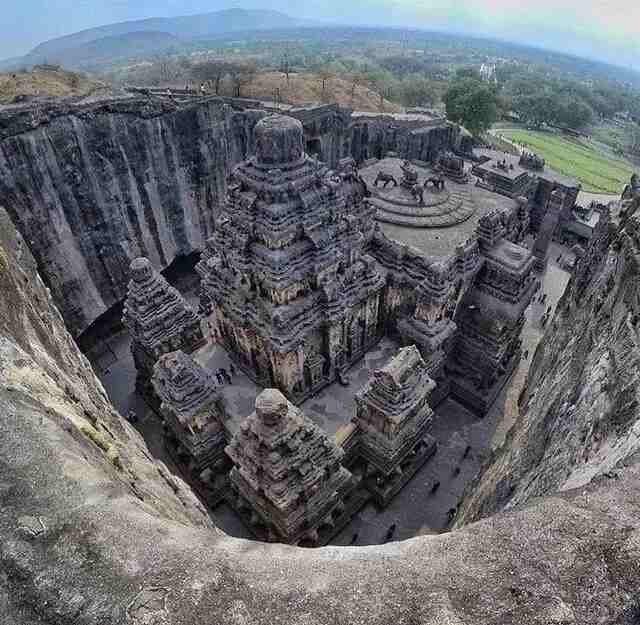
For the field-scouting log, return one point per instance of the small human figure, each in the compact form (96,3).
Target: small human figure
(354,538)
(232,370)
(219,377)
(132,417)
(435,487)
(226,376)
(390,532)
(451,514)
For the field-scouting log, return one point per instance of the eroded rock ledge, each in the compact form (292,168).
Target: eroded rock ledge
(93,530)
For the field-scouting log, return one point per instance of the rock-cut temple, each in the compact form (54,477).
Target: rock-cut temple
(298,282)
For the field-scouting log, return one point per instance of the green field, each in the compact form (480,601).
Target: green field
(596,172)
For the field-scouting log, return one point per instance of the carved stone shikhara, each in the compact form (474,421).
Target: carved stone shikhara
(159,321)
(194,422)
(393,417)
(288,474)
(296,297)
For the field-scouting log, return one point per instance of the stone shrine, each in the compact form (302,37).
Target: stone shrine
(393,417)
(452,166)
(194,422)
(431,326)
(296,297)
(490,318)
(287,475)
(159,321)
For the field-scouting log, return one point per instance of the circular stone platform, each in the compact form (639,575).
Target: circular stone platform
(396,205)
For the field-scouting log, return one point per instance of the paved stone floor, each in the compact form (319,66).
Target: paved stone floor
(414,510)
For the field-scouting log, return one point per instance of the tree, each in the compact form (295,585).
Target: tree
(213,70)
(380,81)
(356,78)
(574,112)
(472,103)
(325,73)
(416,90)
(537,109)
(241,75)
(165,70)
(286,65)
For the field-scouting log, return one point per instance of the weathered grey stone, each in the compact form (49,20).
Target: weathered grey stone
(287,471)
(109,557)
(159,321)
(296,298)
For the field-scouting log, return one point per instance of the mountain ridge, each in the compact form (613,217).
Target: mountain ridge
(72,46)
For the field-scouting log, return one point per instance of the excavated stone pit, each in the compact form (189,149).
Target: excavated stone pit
(94,529)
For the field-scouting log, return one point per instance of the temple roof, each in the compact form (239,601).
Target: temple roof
(281,453)
(397,386)
(154,311)
(184,387)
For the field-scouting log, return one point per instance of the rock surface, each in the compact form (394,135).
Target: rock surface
(87,539)
(93,186)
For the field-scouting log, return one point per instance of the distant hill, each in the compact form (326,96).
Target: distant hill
(103,41)
(188,26)
(109,49)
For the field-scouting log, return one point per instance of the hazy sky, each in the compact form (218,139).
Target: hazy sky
(605,29)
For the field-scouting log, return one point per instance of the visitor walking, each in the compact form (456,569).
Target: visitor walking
(390,532)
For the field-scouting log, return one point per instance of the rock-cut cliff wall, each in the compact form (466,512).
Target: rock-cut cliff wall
(92,187)
(580,410)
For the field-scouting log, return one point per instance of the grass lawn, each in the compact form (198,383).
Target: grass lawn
(597,172)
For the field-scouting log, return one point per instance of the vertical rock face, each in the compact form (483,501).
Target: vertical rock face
(580,412)
(93,187)
(49,392)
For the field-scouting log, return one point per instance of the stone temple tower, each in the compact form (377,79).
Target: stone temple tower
(288,475)
(393,418)
(159,321)
(194,422)
(296,298)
